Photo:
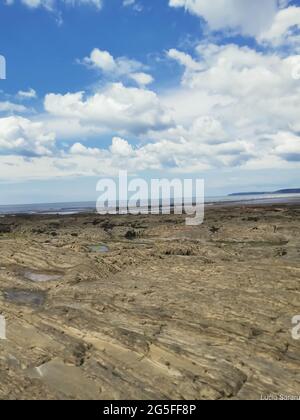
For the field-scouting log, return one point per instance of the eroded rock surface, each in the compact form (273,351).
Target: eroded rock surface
(170,311)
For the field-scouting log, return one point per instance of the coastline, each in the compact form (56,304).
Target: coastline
(90,207)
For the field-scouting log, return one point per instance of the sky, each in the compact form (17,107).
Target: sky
(165,88)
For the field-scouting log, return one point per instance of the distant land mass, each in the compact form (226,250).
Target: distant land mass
(287,191)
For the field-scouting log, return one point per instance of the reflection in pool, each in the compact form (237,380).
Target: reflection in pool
(41,277)
(102,249)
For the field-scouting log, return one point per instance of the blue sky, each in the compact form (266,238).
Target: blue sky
(165,88)
(47,52)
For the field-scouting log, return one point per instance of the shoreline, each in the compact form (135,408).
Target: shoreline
(263,201)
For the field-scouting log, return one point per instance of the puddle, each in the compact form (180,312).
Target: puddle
(41,277)
(102,249)
(24,297)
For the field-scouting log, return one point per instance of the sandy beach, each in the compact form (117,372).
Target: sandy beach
(144,307)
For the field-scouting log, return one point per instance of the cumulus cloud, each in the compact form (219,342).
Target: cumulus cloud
(79,149)
(287,146)
(121,147)
(21,136)
(116,68)
(235,107)
(247,89)
(251,100)
(115,108)
(271,22)
(184,59)
(142,79)
(285,29)
(248,17)
(176,152)
(102,60)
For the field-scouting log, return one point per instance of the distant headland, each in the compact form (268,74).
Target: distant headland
(287,191)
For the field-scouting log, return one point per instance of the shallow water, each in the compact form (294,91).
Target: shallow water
(102,249)
(25,297)
(41,277)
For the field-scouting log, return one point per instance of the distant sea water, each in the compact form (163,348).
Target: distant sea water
(90,206)
(49,208)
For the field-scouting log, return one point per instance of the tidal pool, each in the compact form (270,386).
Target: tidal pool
(102,249)
(25,297)
(41,277)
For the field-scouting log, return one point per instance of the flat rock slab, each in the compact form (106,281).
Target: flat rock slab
(195,313)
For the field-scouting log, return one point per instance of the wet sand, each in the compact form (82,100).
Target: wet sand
(144,307)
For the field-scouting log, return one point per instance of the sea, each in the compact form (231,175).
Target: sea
(90,206)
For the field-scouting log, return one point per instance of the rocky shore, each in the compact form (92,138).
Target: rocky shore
(145,307)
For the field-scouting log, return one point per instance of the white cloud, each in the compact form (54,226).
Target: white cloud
(51,5)
(249,99)
(116,68)
(287,146)
(21,136)
(81,150)
(128,2)
(235,107)
(56,7)
(115,108)
(136,6)
(176,154)
(247,89)
(45,167)
(121,147)
(97,3)
(102,60)
(248,17)
(27,94)
(284,29)
(184,59)
(142,79)
(271,22)
(9,107)
(33,4)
